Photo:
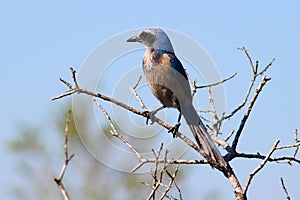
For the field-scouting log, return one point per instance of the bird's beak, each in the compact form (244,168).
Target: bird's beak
(133,39)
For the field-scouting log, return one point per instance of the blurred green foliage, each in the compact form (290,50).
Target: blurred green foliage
(39,155)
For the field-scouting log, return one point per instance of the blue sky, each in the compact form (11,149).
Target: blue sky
(40,40)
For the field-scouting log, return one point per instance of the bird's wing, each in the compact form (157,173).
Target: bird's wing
(176,64)
(170,58)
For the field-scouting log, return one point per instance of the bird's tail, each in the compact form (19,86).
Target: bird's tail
(209,149)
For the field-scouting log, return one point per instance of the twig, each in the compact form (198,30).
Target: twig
(137,83)
(115,132)
(255,75)
(216,123)
(172,181)
(205,111)
(254,69)
(284,189)
(179,191)
(169,161)
(297,141)
(74,77)
(266,68)
(156,181)
(296,136)
(262,164)
(262,83)
(243,102)
(213,84)
(296,145)
(58,180)
(74,89)
(139,99)
(229,136)
(212,103)
(158,184)
(262,157)
(192,85)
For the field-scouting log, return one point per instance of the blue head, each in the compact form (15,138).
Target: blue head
(154,38)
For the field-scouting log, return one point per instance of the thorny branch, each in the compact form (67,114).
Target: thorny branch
(68,158)
(215,130)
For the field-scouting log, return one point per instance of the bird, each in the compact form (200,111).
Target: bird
(169,83)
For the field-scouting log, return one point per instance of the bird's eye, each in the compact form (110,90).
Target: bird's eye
(147,37)
(144,35)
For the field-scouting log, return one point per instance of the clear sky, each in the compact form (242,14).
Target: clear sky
(40,40)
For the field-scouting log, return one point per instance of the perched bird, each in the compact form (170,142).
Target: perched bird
(168,82)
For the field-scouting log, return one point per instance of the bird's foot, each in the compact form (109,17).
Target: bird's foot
(149,115)
(174,129)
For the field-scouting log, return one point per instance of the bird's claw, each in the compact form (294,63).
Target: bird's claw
(148,115)
(174,129)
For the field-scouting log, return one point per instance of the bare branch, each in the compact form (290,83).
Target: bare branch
(213,84)
(74,77)
(192,85)
(158,184)
(70,92)
(296,136)
(169,161)
(283,159)
(262,164)
(284,189)
(243,102)
(212,103)
(296,145)
(216,122)
(266,68)
(136,95)
(254,68)
(274,159)
(229,136)
(172,181)
(255,75)
(58,180)
(115,132)
(287,159)
(297,141)
(74,89)
(262,83)
(204,111)
(137,83)
(235,184)
(179,191)
(156,181)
